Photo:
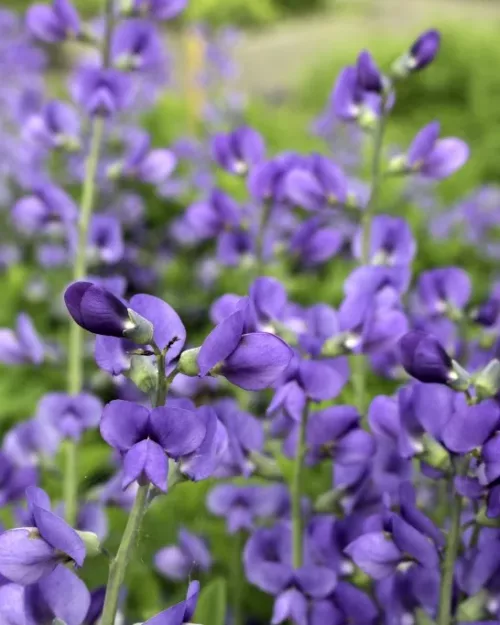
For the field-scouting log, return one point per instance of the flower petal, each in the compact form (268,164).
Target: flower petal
(57,533)
(177,430)
(166,323)
(25,559)
(124,424)
(221,342)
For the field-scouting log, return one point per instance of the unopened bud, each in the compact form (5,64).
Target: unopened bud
(459,379)
(92,543)
(188,362)
(143,373)
(487,382)
(265,466)
(139,330)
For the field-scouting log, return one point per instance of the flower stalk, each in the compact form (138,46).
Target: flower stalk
(297,524)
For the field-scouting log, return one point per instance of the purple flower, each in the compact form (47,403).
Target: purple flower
(380,556)
(180,612)
(238,151)
(251,361)
(445,290)
(49,209)
(159,9)
(29,441)
(57,125)
(145,438)
(70,415)
(100,312)
(144,163)
(315,243)
(53,23)
(392,242)
(179,562)
(101,91)
(105,243)
(369,76)
(15,479)
(209,219)
(424,50)
(60,595)
(425,359)
(28,554)
(22,345)
(433,157)
(351,101)
(136,45)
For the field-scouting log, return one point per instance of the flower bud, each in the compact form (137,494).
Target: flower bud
(143,373)
(458,379)
(398,165)
(265,466)
(435,455)
(487,382)
(91,542)
(188,362)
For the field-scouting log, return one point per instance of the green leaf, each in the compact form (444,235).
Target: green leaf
(211,609)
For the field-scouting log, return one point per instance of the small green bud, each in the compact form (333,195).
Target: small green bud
(143,374)
(188,362)
(487,382)
(435,455)
(459,378)
(91,542)
(398,165)
(140,330)
(401,67)
(265,466)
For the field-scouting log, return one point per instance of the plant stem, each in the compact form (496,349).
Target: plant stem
(259,241)
(450,556)
(376,175)
(119,564)
(297,493)
(76,337)
(238,580)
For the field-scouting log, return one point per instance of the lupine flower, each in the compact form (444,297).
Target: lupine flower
(53,23)
(433,157)
(22,345)
(178,562)
(252,361)
(179,613)
(315,243)
(210,218)
(145,438)
(158,9)
(238,151)
(57,125)
(28,442)
(15,479)
(145,163)
(136,45)
(28,554)
(49,209)
(346,603)
(101,91)
(70,415)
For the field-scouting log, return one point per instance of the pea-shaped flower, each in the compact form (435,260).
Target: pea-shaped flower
(27,554)
(180,612)
(146,438)
(53,23)
(101,91)
(99,311)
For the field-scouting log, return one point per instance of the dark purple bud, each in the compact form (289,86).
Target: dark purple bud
(425,359)
(424,50)
(369,76)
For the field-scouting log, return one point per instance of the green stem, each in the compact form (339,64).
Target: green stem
(238,580)
(297,525)
(259,243)
(450,556)
(376,175)
(119,564)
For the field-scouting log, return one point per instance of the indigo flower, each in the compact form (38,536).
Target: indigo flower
(179,613)
(238,151)
(145,163)
(252,361)
(442,291)
(136,45)
(211,218)
(314,242)
(70,415)
(105,244)
(29,442)
(433,157)
(369,76)
(158,9)
(100,312)
(28,554)
(49,209)
(53,23)
(380,556)
(424,50)
(425,359)
(22,345)
(179,562)
(101,91)
(56,126)
(15,479)
(145,438)
(392,242)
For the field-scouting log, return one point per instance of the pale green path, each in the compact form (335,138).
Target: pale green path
(276,59)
